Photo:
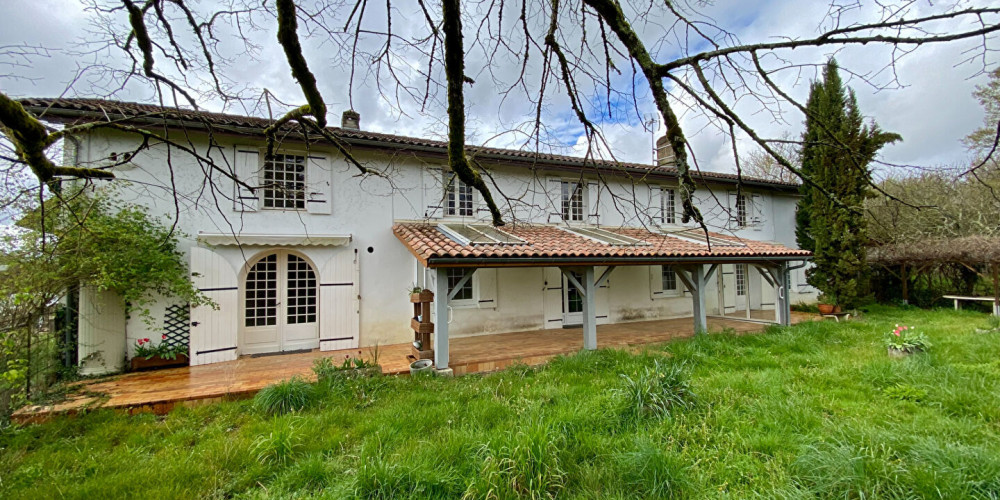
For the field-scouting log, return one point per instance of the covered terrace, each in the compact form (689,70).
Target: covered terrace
(577,252)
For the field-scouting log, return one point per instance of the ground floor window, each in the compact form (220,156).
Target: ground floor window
(669,279)
(454,276)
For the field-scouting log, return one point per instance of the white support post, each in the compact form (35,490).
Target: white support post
(589,309)
(784,309)
(700,314)
(441,324)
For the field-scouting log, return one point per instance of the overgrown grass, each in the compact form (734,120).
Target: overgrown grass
(816,410)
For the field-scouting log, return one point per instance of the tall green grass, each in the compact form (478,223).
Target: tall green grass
(815,410)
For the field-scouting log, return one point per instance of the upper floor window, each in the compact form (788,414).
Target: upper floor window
(457,197)
(454,276)
(284,182)
(668,205)
(741,210)
(572,201)
(669,279)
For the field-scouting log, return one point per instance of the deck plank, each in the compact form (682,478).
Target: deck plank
(158,391)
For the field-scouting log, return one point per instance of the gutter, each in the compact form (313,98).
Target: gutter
(441,150)
(550,261)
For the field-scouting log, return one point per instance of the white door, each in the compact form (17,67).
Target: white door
(280,311)
(733,286)
(742,285)
(572,302)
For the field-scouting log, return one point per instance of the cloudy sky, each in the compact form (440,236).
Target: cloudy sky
(928,101)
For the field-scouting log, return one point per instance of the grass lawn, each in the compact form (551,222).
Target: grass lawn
(817,409)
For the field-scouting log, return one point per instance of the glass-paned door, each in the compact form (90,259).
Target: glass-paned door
(281,298)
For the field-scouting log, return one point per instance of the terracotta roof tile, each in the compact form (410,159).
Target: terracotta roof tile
(428,243)
(83,109)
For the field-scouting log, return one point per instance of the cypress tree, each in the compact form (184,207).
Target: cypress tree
(837,147)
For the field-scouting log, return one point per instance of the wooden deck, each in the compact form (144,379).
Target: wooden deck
(158,391)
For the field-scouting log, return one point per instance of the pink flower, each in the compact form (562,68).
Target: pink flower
(896,333)
(164,337)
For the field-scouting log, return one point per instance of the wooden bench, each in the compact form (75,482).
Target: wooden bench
(959,298)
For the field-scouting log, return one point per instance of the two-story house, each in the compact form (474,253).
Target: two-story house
(306,254)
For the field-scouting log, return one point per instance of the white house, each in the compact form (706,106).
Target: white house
(312,255)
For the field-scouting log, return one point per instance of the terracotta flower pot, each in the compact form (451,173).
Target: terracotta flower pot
(826,308)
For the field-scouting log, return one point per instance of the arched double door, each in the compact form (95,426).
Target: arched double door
(280,304)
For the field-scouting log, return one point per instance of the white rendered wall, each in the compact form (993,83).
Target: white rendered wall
(101,331)
(366,208)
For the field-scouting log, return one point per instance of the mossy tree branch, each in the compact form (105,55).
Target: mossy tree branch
(31,141)
(454,66)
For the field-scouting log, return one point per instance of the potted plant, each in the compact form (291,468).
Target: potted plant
(828,304)
(148,356)
(351,366)
(420,294)
(904,340)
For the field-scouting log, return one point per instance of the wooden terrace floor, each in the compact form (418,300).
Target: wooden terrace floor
(158,391)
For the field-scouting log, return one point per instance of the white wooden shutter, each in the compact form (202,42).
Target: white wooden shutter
(593,195)
(319,185)
(734,222)
(756,210)
(214,331)
(480,209)
(655,282)
(552,297)
(339,316)
(486,282)
(247,168)
(553,191)
(655,210)
(433,192)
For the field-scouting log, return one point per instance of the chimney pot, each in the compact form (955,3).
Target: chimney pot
(351,120)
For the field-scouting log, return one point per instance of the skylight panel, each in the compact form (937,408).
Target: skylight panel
(479,234)
(606,237)
(698,236)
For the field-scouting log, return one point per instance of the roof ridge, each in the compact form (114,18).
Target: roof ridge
(96,105)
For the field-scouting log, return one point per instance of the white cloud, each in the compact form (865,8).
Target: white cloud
(932,112)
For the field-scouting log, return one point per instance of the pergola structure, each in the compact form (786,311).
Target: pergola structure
(979,254)
(693,255)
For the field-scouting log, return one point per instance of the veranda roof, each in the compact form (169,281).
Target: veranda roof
(555,245)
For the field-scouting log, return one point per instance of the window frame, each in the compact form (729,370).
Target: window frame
(473,298)
(676,289)
(301,204)
(742,216)
(566,211)
(451,189)
(741,279)
(668,205)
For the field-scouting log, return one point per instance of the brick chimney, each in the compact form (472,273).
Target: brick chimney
(350,120)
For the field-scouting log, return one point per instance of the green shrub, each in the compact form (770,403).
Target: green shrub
(655,391)
(287,396)
(521,464)
(279,445)
(903,392)
(652,472)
